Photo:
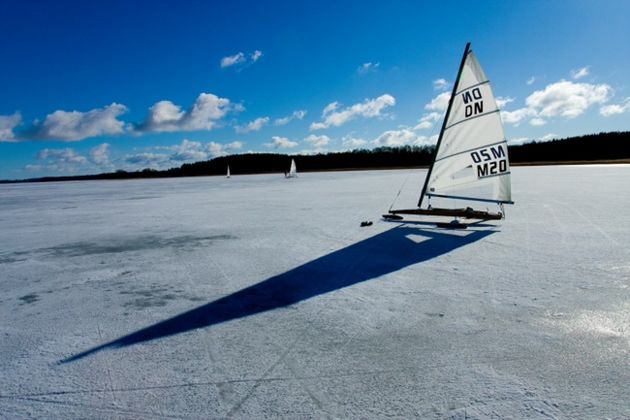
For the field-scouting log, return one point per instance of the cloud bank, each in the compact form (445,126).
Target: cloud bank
(75,125)
(370,108)
(278,142)
(204,114)
(565,99)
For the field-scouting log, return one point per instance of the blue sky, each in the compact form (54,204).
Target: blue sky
(87,87)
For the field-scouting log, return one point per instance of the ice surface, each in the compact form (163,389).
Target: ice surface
(260,296)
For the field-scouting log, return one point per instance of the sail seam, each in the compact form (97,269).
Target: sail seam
(470,150)
(473,86)
(472,118)
(475,180)
(486,200)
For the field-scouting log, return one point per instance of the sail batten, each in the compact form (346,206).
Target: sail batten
(471,118)
(469,150)
(473,86)
(459,197)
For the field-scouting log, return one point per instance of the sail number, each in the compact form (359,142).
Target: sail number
(473,102)
(490,161)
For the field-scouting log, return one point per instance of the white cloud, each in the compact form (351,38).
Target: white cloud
(232,60)
(537,122)
(100,155)
(561,99)
(426,141)
(175,155)
(241,60)
(515,117)
(530,81)
(440,84)
(423,125)
(330,108)
(67,160)
(7,124)
(368,67)
(369,108)
(218,149)
(255,125)
(34,168)
(403,137)
(351,142)
(502,101)
(317,141)
(281,143)
(204,113)
(517,140)
(61,156)
(147,159)
(75,125)
(579,73)
(188,150)
(229,147)
(396,138)
(567,99)
(615,109)
(427,120)
(164,113)
(296,115)
(439,103)
(547,137)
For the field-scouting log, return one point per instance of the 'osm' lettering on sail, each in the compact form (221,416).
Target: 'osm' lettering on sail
(490,161)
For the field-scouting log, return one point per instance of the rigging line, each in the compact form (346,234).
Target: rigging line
(400,190)
(409,174)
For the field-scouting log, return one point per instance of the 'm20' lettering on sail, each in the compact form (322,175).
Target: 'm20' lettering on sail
(490,161)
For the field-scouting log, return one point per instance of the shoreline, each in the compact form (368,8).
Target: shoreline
(98,177)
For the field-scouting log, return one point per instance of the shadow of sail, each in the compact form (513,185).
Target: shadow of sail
(376,256)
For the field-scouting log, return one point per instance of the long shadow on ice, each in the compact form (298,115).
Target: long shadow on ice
(381,254)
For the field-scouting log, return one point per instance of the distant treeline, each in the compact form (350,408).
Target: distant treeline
(588,148)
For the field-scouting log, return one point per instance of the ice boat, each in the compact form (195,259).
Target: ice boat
(292,170)
(470,162)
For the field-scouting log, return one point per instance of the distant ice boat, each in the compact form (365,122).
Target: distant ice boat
(228,172)
(292,170)
(470,161)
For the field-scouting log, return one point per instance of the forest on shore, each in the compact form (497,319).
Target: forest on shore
(602,147)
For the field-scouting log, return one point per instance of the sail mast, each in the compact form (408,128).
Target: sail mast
(448,111)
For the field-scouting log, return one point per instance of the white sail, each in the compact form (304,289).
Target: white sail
(228,172)
(293,170)
(471,161)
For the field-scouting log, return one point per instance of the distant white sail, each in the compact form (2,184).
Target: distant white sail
(471,160)
(228,172)
(292,170)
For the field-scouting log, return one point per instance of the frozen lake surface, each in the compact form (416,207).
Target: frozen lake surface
(261,297)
